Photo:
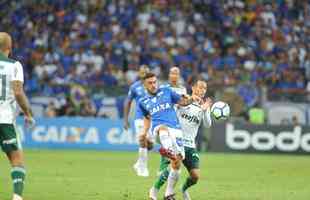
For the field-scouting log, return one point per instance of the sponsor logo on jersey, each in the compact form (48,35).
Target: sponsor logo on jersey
(160,107)
(190,118)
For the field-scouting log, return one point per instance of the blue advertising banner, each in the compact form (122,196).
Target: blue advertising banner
(77,133)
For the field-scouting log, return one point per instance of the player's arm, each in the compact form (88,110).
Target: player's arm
(186,100)
(206,116)
(146,125)
(146,120)
(20,96)
(126,112)
(127,105)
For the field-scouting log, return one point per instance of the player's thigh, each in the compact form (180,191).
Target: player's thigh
(9,138)
(191,160)
(177,137)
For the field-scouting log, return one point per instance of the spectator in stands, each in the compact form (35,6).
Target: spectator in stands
(99,44)
(51,110)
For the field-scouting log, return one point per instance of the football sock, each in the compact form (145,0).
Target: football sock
(18,174)
(142,156)
(171,182)
(188,183)
(165,139)
(162,179)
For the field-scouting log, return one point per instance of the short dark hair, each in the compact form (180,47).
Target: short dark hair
(195,80)
(149,75)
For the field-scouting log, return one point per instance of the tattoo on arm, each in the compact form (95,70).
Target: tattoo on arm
(21,98)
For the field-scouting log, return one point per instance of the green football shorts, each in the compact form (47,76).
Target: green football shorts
(191,160)
(9,138)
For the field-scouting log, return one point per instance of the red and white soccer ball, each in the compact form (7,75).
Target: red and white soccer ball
(220,110)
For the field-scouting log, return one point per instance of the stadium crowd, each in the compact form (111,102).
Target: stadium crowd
(80,50)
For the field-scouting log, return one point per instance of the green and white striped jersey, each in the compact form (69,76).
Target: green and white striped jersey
(10,70)
(190,118)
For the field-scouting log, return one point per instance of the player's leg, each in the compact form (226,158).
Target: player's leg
(162,177)
(141,164)
(191,162)
(166,141)
(11,145)
(173,178)
(176,136)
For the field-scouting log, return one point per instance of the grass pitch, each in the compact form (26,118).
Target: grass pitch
(93,175)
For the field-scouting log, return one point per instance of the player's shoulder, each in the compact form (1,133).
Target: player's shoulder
(165,88)
(165,85)
(136,84)
(192,107)
(144,100)
(8,60)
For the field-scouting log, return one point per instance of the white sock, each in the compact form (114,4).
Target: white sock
(142,160)
(165,139)
(171,182)
(17,197)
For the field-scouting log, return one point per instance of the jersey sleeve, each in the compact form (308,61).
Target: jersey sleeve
(174,96)
(18,74)
(144,111)
(206,117)
(183,90)
(131,93)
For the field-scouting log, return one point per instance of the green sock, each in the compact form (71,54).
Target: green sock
(162,179)
(188,183)
(18,176)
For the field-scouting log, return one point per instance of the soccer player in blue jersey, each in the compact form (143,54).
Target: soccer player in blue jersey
(136,91)
(158,109)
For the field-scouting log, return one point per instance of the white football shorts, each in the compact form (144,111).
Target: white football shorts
(177,139)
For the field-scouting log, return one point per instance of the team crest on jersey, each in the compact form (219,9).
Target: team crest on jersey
(154,99)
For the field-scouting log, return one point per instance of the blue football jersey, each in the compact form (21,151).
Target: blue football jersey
(160,107)
(137,91)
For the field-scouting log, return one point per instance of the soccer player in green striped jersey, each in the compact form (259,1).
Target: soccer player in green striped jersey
(11,91)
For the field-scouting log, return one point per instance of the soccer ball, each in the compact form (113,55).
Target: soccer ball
(220,110)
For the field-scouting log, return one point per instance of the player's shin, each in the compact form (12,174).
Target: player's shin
(188,183)
(161,179)
(172,180)
(18,174)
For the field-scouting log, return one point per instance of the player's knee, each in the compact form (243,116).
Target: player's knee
(143,142)
(195,177)
(162,129)
(176,164)
(149,145)
(16,158)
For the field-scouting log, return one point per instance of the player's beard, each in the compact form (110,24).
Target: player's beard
(152,92)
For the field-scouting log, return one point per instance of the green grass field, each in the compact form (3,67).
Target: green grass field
(93,175)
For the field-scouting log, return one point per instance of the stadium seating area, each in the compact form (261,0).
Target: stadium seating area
(82,53)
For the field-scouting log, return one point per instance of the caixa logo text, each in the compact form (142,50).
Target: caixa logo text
(286,141)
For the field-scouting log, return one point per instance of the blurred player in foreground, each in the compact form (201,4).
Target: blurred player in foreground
(190,118)
(11,84)
(137,91)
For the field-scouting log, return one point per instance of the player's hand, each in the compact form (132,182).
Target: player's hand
(29,122)
(197,98)
(126,125)
(207,104)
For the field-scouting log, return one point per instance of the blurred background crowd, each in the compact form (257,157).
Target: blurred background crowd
(80,57)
